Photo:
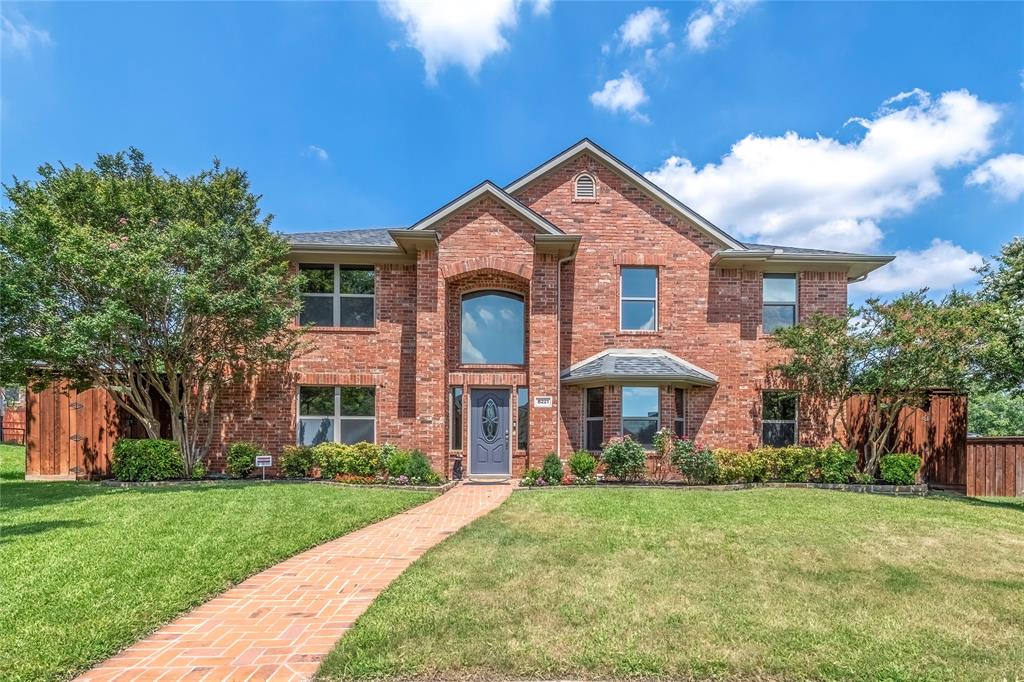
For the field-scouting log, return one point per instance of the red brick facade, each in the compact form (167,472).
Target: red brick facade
(707,315)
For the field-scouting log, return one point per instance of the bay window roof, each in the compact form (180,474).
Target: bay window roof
(621,365)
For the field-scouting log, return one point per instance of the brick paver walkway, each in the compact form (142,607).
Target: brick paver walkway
(280,623)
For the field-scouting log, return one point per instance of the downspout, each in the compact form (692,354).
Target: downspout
(558,353)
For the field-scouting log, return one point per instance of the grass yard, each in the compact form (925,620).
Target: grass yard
(86,570)
(759,584)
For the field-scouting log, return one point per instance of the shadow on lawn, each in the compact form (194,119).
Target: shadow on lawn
(1013,503)
(29,494)
(20,529)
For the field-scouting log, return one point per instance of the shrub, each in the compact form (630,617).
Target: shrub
(360,459)
(419,470)
(695,462)
(740,466)
(900,468)
(353,479)
(862,478)
(552,471)
(793,464)
(624,459)
(394,461)
(835,464)
(297,461)
(198,471)
(664,442)
(583,465)
(242,459)
(145,459)
(530,477)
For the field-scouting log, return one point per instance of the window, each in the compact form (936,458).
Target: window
(456,426)
(586,186)
(337,296)
(339,414)
(594,418)
(779,298)
(680,423)
(523,419)
(778,418)
(639,304)
(492,328)
(640,413)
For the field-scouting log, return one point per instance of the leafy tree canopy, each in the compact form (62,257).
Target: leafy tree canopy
(143,283)
(1002,286)
(996,414)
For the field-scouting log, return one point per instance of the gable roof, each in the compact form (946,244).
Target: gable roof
(628,364)
(377,236)
(587,145)
(488,188)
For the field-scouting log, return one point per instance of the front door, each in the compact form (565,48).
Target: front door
(489,432)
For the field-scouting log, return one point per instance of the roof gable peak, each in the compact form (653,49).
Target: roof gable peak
(542,224)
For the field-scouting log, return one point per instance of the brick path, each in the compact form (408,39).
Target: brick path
(280,623)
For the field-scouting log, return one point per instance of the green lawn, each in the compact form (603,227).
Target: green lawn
(758,584)
(86,570)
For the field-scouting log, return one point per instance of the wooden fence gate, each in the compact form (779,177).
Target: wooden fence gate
(70,434)
(995,466)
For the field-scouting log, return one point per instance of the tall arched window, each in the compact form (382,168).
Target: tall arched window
(586,186)
(493,331)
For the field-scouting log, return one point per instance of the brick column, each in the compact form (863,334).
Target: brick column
(431,384)
(543,360)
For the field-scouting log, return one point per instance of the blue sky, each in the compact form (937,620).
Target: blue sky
(876,127)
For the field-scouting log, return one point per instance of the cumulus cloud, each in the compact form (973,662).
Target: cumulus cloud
(624,94)
(820,192)
(712,19)
(455,33)
(1003,175)
(317,152)
(943,265)
(642,27)
(19,36)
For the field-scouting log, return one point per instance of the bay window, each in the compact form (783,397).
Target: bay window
(640,413)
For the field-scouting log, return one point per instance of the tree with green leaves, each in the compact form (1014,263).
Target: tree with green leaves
(996,414)
(893,354)
(1002,287)
(145,284)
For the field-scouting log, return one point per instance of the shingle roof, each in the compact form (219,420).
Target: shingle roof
(617,365)
(377,236)
(796,249)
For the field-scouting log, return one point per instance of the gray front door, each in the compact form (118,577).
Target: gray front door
(489,432)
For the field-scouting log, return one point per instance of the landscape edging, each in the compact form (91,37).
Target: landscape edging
(114,483)
(869,488)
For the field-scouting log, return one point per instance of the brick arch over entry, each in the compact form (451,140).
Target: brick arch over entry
(497,264)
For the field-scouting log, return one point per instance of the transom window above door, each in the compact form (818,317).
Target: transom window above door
(337,295)
(638,305)
(493,330)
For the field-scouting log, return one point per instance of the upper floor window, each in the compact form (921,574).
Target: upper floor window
(338,414)
(337,295)
(778,418)
(779,299)
(493,332)
(586,186)
(638,299)
(640,413)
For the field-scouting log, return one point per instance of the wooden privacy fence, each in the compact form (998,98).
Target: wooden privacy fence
(12,427)
(937,433)
(995,466)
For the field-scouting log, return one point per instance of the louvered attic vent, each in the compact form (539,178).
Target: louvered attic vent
(586,188)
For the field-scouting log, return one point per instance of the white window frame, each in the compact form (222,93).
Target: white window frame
(336,295)
(587,418)
(623,416)
(680,418)
(795,421)
(796,297)
(640,299)
(337,417)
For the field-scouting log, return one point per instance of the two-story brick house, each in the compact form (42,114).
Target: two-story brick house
(577,303)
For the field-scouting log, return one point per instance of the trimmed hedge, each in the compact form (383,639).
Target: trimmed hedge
(360,463)
(297,461)
(900,468)
(242,459)
(146,459)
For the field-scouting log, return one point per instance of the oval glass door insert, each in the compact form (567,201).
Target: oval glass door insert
(490,421)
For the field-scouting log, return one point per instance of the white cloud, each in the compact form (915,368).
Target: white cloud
(317,152)
(624,94)
(641,27)
(19,36)
(820,192)
(711,19)
(456,33)
(941,266)
(1004,176)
